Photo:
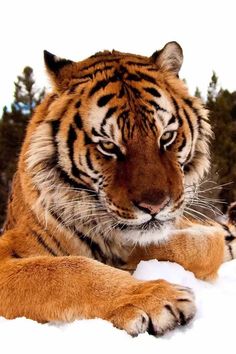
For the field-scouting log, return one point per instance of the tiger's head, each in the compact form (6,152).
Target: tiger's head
(120,142)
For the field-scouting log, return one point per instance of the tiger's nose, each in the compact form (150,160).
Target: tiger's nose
(153,209)
(152,203)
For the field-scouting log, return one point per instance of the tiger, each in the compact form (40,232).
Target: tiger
(110,160)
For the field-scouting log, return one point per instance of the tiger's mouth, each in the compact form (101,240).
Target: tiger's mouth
(151,231)
(150,225)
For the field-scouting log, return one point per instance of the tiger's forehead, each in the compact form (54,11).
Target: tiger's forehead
(115,117)
(122,97)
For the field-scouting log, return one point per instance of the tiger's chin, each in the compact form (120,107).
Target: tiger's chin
(153,231)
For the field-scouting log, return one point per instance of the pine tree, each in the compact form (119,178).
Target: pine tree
(212,88)
(12,130)
(27,96)
(222,107)
(198,93)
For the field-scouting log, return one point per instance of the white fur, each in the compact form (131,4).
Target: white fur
(41,146)
(143,238)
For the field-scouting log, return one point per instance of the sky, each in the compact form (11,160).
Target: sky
(72,29)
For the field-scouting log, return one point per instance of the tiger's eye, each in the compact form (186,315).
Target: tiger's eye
(107,145)
(167,136)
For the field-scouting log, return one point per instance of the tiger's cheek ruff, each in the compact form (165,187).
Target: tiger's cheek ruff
(54,194)
(41,163)
(200,163)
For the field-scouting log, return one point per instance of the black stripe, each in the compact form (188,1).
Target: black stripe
(79,173)
(88,160)
(15,255)
(135,91)
(54,239)
(66,107)
(93,73)
(73,88)
(184,300)
(78,104)
(54,159)
(177,108)
(102,101)
(114,78)
(75,171)
(178,203)
(157,107)
(110,112)
(78,121)
(146,77)
(87,139)
(63,175)
(103,130)
(43,243)
(169,308)
(58,244)
(189,122)
(95,133)
(225,227)
(55,127)
(183,144)
(70,143)
(102,62)
(230,238)
(172,120)
(122,92)
(152,91)
(133,77)
(190,105)
(57,217)
(230,251)
(101,84)
(131,62)
(145,109)
(93,246)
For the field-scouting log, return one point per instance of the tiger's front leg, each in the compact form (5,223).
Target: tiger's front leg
(48,288)
(198,248)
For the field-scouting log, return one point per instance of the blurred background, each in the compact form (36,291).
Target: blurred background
(76,29)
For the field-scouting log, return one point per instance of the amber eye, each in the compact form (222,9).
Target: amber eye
(108,148)
(107,145)
(167,138)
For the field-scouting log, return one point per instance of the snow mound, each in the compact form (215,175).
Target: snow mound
(212,330)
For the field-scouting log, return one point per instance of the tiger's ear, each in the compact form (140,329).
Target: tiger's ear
(169,58)
(55,67)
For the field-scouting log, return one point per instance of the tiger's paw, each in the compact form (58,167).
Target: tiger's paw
(155,307)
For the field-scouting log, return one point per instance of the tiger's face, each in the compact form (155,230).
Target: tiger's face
(127,133)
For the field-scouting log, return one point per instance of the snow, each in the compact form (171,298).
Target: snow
(212,330)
